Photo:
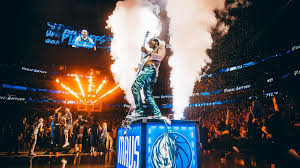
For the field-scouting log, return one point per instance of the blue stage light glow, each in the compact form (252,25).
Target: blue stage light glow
(205,94)
(129,147)
(184,141)
(245,65)
(159,145)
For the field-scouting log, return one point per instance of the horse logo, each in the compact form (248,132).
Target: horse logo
(171,150)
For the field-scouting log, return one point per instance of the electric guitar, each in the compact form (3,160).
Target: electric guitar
(144,57)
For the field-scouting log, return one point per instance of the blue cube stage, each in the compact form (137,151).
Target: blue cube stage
(150,143)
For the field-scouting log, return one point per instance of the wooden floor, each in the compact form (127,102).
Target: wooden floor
(86,160)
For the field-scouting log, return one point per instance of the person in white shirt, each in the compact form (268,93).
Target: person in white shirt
(67,126)
(38,126)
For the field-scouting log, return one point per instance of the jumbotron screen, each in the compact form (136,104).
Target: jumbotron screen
(59,34)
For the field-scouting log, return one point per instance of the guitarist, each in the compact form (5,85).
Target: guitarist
(147,76)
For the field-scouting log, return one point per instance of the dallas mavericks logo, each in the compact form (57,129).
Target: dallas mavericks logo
(171,150)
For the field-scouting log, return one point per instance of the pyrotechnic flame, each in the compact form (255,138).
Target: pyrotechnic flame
(90,99)
(106,93)
(79,84)
(101,85)
(90,82)
(70,90)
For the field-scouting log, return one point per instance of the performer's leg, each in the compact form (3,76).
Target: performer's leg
(80,142)
(135,89)
(107,143)
(150,100)
(138,84)
(111,144)
(67,132)
(34,138)
(80,148)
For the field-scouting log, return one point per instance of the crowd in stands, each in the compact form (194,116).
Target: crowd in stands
(260,127)
(63,131)
(265,129)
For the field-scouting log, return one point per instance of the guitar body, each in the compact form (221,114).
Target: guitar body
(142,64)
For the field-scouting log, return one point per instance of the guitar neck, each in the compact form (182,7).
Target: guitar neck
(144,44)
(147,34)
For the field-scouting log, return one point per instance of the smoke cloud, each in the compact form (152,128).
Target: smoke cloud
(190,25)
(190,28)
(129,23)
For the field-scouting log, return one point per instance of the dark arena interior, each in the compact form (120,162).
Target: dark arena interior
(214,85)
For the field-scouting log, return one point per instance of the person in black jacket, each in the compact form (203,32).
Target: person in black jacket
(78,126)
(93,136)
(102,138)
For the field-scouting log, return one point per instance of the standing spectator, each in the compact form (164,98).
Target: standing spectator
(55,129)
(204,137)
(23,133)
(61,129)
(93,136)
(109,142)
(256,108)
(68,125)
(99,132)
(12,138)
(38,126)
(102,138)
(78,131)
(225,138)
(114,136)
(27,137)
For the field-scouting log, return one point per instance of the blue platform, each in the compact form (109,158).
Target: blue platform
(151,143)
